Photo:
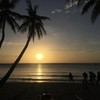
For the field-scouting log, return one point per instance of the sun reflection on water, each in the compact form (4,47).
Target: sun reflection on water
(39,73)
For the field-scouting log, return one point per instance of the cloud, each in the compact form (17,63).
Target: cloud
(56,11)
(12,43)
(86,51)
(64,50)
(71,11)
(67,11)
(70,5)
(91,51)
(53,12)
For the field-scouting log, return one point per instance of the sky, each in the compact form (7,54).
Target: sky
(71,37)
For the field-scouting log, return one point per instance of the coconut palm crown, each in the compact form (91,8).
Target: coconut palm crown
(7,15)
(33,22)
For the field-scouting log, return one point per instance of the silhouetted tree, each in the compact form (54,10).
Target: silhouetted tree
(94,4)
(6,15)
(33,23)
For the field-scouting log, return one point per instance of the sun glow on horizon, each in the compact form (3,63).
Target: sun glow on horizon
(39,56)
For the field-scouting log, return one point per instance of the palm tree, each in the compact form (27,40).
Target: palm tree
(6,15)
(33,23)
(94,4)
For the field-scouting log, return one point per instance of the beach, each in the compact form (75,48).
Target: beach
(59,91)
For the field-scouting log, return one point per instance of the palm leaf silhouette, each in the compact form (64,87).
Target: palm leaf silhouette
(6,15)
(94,4)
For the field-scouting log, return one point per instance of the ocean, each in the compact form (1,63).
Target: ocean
(48,72)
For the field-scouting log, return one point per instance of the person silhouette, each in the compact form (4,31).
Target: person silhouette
(92,77)
(71,77)
(98,77)
(85,77)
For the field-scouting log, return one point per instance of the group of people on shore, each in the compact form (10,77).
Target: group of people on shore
(93,78)
(90,78)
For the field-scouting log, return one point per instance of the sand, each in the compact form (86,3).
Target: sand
(59,91)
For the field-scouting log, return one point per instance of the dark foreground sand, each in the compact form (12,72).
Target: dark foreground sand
(59,91)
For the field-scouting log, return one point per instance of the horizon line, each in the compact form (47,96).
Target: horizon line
(58,63)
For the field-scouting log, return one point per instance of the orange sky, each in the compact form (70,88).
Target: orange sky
(71,38)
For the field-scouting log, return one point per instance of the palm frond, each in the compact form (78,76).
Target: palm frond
(87,6)
(44,18)
(35,9)
(11,23)
(29,9)
(24,26)
(38,31)
(95,12)
(42,28)
(41,18)
(14,22)
(16,15)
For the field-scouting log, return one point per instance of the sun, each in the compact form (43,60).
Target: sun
(39,56)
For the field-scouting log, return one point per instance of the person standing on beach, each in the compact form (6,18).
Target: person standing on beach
(92,77)
(71,77)
(85,77)
(85,83)
(98,77)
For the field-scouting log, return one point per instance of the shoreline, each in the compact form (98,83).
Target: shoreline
(59,91)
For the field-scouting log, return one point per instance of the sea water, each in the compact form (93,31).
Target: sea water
(47,72)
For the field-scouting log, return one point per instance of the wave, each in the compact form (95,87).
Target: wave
(44,78)
(40,80)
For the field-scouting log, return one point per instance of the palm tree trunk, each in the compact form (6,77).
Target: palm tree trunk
(3,35)
(7,75)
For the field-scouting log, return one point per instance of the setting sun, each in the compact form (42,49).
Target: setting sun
(39,56)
